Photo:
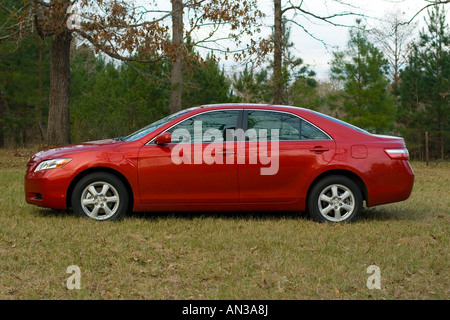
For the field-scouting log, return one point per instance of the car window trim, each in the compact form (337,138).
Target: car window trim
(242,123)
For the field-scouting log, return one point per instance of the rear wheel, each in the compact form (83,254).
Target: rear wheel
(335,199)
(100,196)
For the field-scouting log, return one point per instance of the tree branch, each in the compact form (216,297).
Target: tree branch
(2,6)
(327,19)
(113,54)
(9,36)
(431,3)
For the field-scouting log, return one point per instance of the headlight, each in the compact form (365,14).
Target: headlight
(52,164)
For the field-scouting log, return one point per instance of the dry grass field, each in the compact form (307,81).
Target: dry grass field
(228,255)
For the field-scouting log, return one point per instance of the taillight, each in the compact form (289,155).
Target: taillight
(397,154)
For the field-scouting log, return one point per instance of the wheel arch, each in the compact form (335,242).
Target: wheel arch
(86,172)
(342,172)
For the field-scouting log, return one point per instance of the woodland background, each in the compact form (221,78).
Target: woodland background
(111,67)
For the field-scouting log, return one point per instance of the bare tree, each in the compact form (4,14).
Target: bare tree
(213,25)
(278,53)
(176,76)
(119,28)
(113,27)
(393,35)
(297,12)
(3,105)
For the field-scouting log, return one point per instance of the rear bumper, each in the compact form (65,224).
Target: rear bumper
(393,185)
(47,188)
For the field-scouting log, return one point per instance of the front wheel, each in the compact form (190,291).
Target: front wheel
(335,199)
(100,196)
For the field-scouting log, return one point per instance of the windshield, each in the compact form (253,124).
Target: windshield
(155,125)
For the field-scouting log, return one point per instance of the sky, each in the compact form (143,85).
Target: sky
(314,52)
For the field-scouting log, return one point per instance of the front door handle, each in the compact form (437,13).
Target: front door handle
(226,152)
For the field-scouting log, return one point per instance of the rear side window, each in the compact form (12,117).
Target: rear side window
(310,132)
(290,127)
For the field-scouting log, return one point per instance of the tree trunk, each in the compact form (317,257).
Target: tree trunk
(278,54)
(441,136)
(2,119)
(40,127)
(58,132)
(396,78)
(176,76)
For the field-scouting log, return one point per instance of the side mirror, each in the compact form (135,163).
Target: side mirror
(163,138)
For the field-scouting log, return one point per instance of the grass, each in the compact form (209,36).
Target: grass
(227,255)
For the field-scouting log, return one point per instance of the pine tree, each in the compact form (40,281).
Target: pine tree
(425,87)
(251,85)
(411,111)
(205,83)
(362,69)
(21,71)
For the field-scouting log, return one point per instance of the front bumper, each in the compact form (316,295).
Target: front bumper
(47,188)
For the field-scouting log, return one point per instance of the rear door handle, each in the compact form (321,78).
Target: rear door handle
(319,149)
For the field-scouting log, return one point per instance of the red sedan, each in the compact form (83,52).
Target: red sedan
(226,157)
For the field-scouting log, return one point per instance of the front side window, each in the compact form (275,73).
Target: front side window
(206,127)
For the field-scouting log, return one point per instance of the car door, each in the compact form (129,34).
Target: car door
(196,167)
(294,151)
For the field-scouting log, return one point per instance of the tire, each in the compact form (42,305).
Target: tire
(100,196)
(335,199)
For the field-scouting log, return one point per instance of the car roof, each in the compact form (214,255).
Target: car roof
(250,105)
(260,106)
(332,126)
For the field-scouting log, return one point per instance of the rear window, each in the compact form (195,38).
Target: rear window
(341,122)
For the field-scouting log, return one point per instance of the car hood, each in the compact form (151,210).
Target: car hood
(76,148)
